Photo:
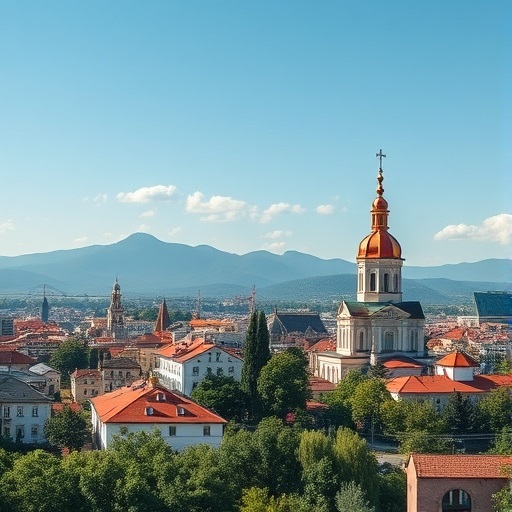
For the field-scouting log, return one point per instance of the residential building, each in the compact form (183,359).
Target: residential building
(449,483)
(183,365)
(51,376)
(23,411)
(86,384)
(456,372)
(119,372)
(379,324)
(149,405)
(14,360)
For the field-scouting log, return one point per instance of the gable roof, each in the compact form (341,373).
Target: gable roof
(186,350)
(150,403)
(324,345)
(13,390)
(367,309)
(283,323)
(86,373)
(442,384)
(14,357)
(42,368)
(457,359)
(459,466)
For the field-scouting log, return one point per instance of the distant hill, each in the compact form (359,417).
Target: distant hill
(148,266)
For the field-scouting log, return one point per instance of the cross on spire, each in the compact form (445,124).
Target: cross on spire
(380,155)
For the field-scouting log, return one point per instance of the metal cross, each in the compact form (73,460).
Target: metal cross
(380,155)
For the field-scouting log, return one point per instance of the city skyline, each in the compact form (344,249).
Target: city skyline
(250,126)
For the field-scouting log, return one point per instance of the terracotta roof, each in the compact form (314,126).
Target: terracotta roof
(58,406)
(197,323)
(317,384)
(401,362)
(459,466)
(143,403)
(86,372)
(458,360)
(325,345)
(185,351)
(438,384)
(15,357)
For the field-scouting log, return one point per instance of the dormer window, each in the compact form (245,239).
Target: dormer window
(148,411)
(160,397)
(180,410)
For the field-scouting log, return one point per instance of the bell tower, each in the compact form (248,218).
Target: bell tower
(379,258)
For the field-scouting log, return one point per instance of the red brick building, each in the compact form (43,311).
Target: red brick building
(448,483)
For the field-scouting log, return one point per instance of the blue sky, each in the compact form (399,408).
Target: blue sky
(254,125)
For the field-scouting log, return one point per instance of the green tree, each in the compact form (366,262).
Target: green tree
(320,481)
(71,354)
(459,414)
(495,410)
(256,499)
(355,462)
(351,498)
(222,394)
(502,443)
(392,489)
(313,446)
(67,429)
(377,371)
(284,382)
(367,401)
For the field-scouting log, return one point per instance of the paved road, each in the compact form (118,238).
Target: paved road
(397,459)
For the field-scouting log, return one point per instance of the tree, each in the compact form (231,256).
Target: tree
(378,371)
(71,354)
(367,400)
(284,382)
(495,410)
(459,414)
(392,489)
(351,498)
(257,499)
(502,444)
(67,429)
(222,394)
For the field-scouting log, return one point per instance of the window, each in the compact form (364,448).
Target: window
(35,411)
(372,282)
(361,340)
(395,279)
(19,411)
(7,411)
(231,369)
(128,375)
(85,392)
(172,430)
(209,357)
(7,431)
(220,372)
(85,381)
(217,357)
(386,282)
(195,371)
(120,373)
(206,430)
(112,374)
(456,499)
(389,341)
(33,431)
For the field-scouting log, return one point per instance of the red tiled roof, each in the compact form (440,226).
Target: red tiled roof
(15,357)
(317,384)
(325,345)
(184,351)
(86,372)
(459,466)
(130,405)
(58,406)
(401,362)
(457,360)
(197,323)
(437,384)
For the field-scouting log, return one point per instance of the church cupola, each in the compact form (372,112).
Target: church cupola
(379,257)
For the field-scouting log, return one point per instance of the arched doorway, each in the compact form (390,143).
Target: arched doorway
(456,500)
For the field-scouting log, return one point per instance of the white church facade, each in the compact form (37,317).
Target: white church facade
(378,325)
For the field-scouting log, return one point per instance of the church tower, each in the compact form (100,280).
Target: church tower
(163,321)
(115,314)
(379,258)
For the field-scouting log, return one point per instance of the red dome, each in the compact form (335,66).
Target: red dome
(380,244)
(380,203)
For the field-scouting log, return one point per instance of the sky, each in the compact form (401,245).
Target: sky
(254,125)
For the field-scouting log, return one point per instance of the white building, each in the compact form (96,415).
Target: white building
(23,411)
(379,325)
(148,405)
(183,365)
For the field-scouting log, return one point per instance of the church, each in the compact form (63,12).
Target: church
(379,325)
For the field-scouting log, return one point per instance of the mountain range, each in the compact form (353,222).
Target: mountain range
(145,265)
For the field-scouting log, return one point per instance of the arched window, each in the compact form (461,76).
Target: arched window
(413,341)
(361,340)
(372,281)
(360,281)
(395,282)
(389,339)
(386,282)
(456,499)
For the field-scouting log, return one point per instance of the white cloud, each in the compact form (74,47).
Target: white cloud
(148,213)
(175,231)
(217,208)
(80,240)
(495,229)
(275,247)
(325,209)
(146,194)
(274,235)
(6,226)
(144,228)
(279,208)
(100,198)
